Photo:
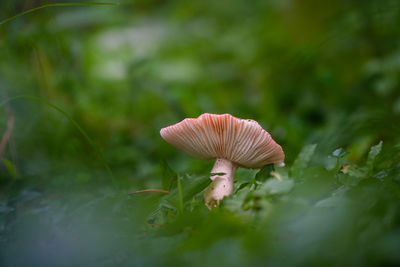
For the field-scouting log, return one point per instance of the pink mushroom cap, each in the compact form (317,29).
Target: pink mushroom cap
(211,136)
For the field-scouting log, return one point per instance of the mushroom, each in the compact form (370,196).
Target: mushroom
(233,142)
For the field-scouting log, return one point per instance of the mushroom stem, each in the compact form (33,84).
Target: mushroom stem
(222,176)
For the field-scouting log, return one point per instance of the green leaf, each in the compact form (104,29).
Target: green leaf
(275,186)
(347,179)
(356,171)
(168,175)
(264,173)
(304,157)
(243,185)
(10,168)
(339,153)
(177,199)
(332,202)
(194,185)
(373,152)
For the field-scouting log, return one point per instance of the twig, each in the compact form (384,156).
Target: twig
(7,135)
(155,224)
(150,191)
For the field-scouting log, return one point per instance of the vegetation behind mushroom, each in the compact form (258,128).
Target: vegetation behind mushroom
(321,76)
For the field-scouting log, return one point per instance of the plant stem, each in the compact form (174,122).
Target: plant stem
(180,194)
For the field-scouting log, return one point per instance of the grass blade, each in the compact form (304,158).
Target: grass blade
(180,195)
(10,167)
(54,5)
(168,175)
(77,126)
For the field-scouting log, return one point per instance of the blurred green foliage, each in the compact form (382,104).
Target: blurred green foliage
(99,82)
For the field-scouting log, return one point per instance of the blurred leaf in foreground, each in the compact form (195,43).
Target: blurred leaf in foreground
(168,175)
(263,174)
(373,153)
(10,168)
(304,158)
